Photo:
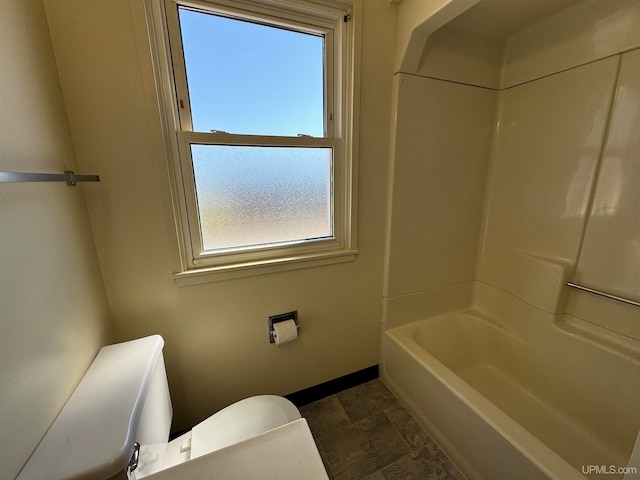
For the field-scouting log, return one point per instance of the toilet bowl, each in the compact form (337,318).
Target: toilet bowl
(116,423)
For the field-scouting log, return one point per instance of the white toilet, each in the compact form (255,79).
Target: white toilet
(119,415)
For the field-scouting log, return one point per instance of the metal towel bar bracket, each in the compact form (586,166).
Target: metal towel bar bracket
(604,294)
(68,176)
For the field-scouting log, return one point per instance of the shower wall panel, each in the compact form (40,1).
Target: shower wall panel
(442,142)
(547,146)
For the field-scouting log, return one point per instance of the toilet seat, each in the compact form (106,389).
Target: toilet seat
(240,421)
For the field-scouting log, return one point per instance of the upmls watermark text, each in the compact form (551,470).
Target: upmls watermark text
(609,470)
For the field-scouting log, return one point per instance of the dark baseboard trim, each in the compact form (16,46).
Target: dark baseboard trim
(317,392)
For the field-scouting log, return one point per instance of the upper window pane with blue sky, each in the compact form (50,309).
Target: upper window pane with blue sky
(249,78)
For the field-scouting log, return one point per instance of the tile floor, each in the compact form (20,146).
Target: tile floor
(365,433)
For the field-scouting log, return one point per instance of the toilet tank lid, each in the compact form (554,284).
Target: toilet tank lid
(92,437)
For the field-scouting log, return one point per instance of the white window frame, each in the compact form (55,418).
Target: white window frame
(335,20)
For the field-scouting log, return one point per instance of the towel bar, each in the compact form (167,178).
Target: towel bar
(604,294)
(68,176)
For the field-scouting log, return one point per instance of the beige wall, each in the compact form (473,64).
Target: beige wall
(53,311)
(217,348)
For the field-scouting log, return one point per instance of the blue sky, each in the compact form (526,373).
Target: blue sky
(249,78)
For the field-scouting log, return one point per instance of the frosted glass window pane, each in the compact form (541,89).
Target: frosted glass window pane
(248,78)
(249,196)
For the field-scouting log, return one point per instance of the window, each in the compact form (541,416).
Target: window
(259,109)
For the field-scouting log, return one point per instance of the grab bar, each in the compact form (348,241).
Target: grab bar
(604,294)
(68,176)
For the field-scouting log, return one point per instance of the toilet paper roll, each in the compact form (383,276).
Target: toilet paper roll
(284,332)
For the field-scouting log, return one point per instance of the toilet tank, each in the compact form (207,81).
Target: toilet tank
(123,398)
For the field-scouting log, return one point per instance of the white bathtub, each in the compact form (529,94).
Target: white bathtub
(517,400)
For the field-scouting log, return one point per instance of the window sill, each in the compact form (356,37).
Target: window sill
(249,269)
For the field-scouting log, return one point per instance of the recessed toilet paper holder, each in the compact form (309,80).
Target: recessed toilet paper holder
(282,317)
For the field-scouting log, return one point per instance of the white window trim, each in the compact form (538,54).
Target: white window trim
(344,124)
